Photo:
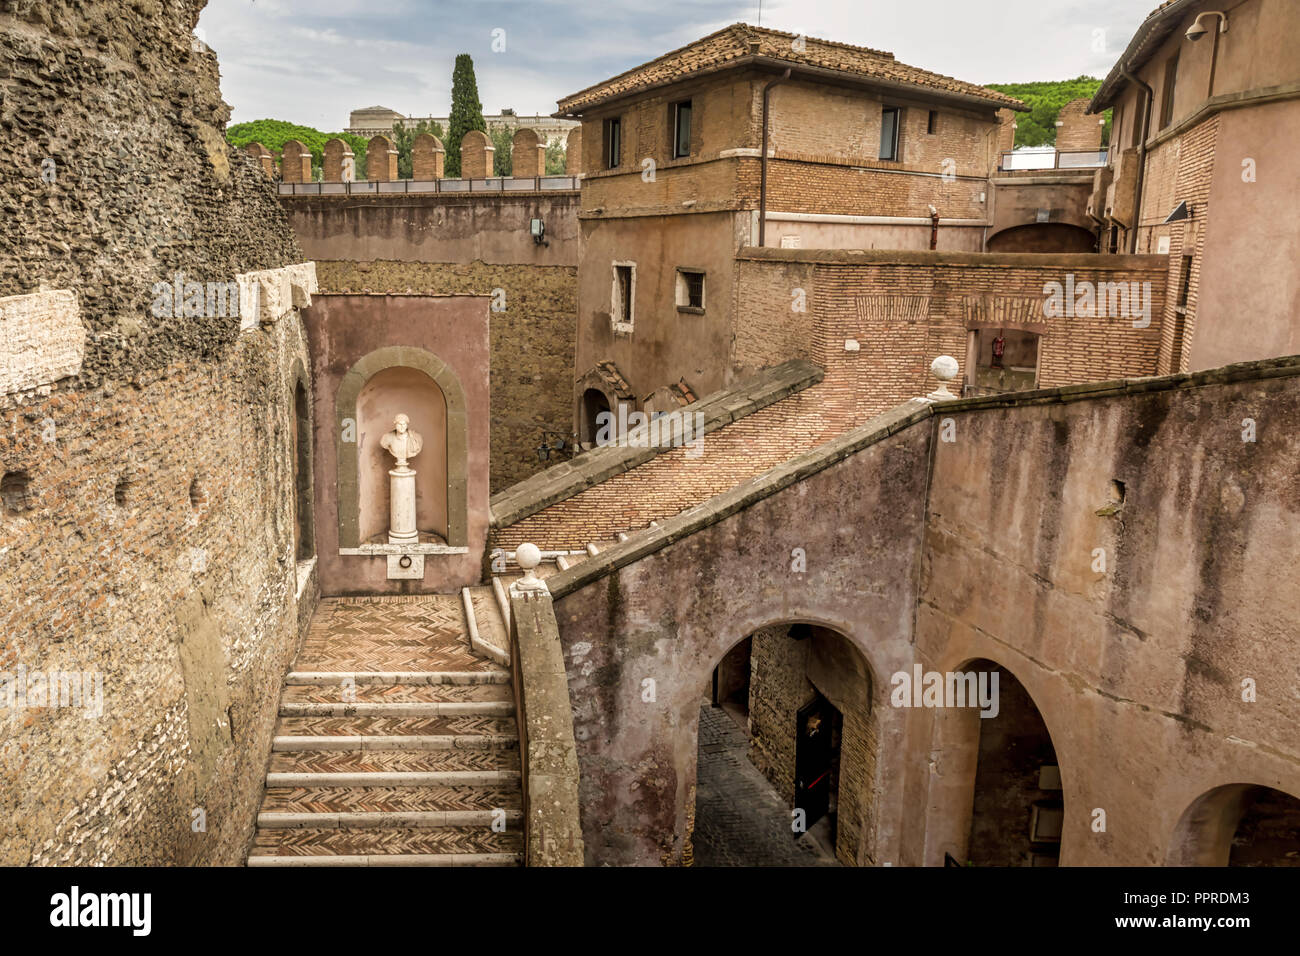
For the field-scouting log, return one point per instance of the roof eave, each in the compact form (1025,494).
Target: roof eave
(1150,33)
(776,63)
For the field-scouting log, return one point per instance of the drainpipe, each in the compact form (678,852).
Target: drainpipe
(934,228)
(1132,77)
(762,160)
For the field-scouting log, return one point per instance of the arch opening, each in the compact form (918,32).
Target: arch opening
(1239,825)
(595,405)
(785,752)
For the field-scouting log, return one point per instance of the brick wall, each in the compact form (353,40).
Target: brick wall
(532,344)
(1179,170)
(904,309)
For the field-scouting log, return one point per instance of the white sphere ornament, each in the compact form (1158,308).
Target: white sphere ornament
(528,556)
(944,368)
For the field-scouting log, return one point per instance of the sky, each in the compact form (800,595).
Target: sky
(313,61)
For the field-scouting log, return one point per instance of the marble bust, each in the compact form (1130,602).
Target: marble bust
(402,443)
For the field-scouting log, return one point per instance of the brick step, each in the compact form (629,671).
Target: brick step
(486,708)
(393,761)
(396,742)
(397,778)
(407,820)
(399,677)
(394,693)
(323,799)
(404,841)
(374,726)
(396,859)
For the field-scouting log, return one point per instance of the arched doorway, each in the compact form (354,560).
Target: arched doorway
(996,794)
(785,752)
(1239,825)
(595,405)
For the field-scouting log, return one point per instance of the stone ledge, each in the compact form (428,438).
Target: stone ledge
(549,753)
(267,295)
(373,549)
(42,339)
(1081,261)
(723,407)
(882,426)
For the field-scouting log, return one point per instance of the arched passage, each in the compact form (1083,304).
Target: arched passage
(996,797)
(594,405)
(785,751)
(1239,824)
(1043,237)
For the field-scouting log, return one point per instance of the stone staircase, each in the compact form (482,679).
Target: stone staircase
(396,743)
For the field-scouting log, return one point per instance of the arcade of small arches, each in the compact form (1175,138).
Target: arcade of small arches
(807,704)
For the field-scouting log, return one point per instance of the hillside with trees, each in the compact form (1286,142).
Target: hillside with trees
(1045,99)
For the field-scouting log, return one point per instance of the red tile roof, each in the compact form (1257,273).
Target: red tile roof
(740,41)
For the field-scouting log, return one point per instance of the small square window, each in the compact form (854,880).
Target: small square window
(889,122)
(932,124)
(613,142)
(681,129)
(690,290)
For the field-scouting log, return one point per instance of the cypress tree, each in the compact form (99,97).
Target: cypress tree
(466,111)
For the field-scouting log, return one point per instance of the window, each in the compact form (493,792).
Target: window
(613,142)
(1185,284)
(690,290)
(932,124)
(681,129)
(889,122)
(1167,93)
(623,296)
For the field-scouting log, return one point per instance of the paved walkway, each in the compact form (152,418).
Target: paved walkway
(739,818)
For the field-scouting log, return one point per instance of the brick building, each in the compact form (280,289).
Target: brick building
(1206,114)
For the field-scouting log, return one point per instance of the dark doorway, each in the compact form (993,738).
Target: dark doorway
(1018,811)
(731,682)
(816,760)
(594,406)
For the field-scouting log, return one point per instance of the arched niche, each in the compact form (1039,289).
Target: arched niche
(301,458)
(416,376)
(408,391)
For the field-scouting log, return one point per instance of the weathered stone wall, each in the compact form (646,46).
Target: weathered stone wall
(1137,669)
(155,544)
(532,344)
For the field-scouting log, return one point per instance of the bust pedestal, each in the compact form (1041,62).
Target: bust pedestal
(401,506)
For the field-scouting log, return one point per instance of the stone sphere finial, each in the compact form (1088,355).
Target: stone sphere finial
(528,556)
(945,369)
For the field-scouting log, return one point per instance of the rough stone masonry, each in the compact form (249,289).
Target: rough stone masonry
(147,528)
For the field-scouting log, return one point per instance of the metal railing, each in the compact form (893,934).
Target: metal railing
(499,184)
(1052,159)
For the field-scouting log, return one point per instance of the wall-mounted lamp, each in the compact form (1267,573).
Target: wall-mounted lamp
(549,444)
(537,229)
(1198,29)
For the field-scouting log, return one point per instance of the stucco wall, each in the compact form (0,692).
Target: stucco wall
(937,552)
(343,329)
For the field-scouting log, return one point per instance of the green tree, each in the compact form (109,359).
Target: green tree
(503,142)
(555,158)
(1045,99)
(273,134)
(466,111)
(404,138)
